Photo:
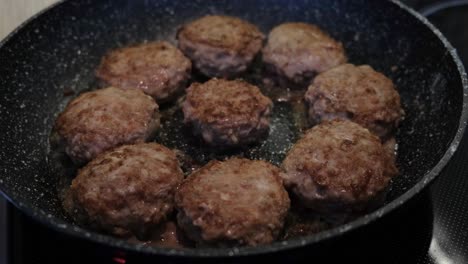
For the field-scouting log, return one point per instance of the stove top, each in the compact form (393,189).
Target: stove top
(432,229)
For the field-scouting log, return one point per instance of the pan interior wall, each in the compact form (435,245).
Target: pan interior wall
(56,54)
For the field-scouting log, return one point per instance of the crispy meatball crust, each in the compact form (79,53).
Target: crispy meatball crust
(358,93)
(127,190)
(227,113)
(234,202)
(157,68)
(339,167)
(220,46)
(298,51)
(103,119)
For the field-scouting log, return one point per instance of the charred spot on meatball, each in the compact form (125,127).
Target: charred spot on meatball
(125,191)
(234,202)
(339,168)
(298,51)
(357,93)
(220,46)
(227,113)
(157,68)
(103,119)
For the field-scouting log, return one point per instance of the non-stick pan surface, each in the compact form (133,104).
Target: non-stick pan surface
(52,58)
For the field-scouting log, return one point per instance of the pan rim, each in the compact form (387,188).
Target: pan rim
(92,236)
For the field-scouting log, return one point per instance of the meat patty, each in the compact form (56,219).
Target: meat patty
(339,167)
(357,93)
(157,68)
(227,113)
(220,46)
(128,190)
(298,51)
(103,119)
(234,202)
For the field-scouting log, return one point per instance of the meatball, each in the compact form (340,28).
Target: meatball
(234,202)
(227,113)
(128,190)
(357,93)
(220,46)
(157,68)
(339,168)
(103,119)
(298,51)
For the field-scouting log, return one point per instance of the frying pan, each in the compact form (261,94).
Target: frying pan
(55,53)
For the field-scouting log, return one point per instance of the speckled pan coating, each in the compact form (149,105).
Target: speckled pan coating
(56,53)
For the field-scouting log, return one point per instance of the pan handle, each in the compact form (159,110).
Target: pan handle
(441,5)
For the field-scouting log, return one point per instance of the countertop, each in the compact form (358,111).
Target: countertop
(15,12)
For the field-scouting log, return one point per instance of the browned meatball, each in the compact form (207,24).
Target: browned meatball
(339,167)
(157,68)
(128,190)
(103,119)
(357,93)
(227,113)
(234,202)
(298,51)
(220,46)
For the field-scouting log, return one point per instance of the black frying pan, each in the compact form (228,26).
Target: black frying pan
(55,53)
